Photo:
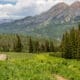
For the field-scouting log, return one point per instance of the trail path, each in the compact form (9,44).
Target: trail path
(58,77)
(3,57)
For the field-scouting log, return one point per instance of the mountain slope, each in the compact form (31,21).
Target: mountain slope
(50,24)
(5,21)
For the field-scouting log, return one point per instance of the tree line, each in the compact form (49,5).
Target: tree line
(37,46)
(18,43)
(70,45)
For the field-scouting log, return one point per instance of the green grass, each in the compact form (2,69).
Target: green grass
(24,66)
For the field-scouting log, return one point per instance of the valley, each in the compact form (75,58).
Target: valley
(40,47)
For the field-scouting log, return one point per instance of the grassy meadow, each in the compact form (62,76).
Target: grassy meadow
(24,66)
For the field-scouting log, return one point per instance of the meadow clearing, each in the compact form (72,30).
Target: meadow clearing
(26,66)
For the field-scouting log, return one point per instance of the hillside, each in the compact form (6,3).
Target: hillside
(50,24)
(5,21)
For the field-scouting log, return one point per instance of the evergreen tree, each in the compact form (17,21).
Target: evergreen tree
(37,47)
(18,45)
(51,47)
(42,48)
(78,42)
(73,41)
(70,45)
(30,45)
(47,47)
(79,27)
(66,46)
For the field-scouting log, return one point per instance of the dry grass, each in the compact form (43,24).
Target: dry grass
(58,77)
(3,57)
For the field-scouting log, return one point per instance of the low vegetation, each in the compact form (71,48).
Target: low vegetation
(27,66)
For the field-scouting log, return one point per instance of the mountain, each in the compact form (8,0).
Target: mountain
(50,24)
(5,21)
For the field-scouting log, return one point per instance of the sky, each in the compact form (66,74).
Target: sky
(16,9)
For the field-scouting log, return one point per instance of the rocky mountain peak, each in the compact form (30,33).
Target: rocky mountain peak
(60,6)
(76,5)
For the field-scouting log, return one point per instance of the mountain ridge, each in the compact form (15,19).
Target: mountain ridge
(52,23)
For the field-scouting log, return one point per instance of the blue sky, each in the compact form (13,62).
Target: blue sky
(21,8)
(8,2)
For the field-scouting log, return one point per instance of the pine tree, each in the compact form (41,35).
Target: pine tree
(37,47)
(30,45)
(78,42)
(79,27)
(42,48)
(51,47)
(66,47)
(18,45)
(70,45)
(47,47)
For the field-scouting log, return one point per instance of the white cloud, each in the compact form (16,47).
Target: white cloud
(27,7)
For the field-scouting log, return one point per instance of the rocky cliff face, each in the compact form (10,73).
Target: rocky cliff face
(59,13)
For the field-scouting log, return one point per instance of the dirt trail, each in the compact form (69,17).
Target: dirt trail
(58,77)
(3,57)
